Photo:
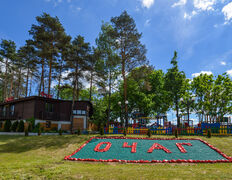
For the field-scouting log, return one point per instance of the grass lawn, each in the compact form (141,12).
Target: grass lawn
(42,158)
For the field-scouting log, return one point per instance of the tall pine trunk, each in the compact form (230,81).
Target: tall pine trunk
(11,85)
(19,83)
(59,80)
(42,79)
(109,101)
(27,77)
(91,85)
(5,81)
(50,76)
(124,87)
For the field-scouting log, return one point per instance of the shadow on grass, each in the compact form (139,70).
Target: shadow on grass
(18,144)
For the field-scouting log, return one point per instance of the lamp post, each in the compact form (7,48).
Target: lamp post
(126,112)
(188,102)
(120,105)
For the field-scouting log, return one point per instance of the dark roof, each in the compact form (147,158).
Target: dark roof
(39,98)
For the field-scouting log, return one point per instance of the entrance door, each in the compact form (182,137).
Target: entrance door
(78,123)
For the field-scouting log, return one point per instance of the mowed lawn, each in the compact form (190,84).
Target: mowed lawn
(41,157)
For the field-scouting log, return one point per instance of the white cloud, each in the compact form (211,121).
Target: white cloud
(227,11)
(223,63)
(204,5)
(147,22)
(189,16)
(147,3)
(202,72)
(180,3)
(229,72)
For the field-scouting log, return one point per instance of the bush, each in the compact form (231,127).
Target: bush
(54,129)
(60,132)
(149,133)
(176,133)
(78,132)
(29,127)
(7,126)
(21,126)
(14,126)
(102,131)
(124,131)
(209,134)
(26,131)
(39,131)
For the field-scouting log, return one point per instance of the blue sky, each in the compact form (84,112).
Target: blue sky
(200,30)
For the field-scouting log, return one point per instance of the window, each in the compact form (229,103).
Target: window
(4,111)
(79,112)
(12,107)
(49,107)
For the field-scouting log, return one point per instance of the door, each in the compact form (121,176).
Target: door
(78,123)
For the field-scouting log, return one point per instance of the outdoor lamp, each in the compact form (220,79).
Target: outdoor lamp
(126,102)
(119,103)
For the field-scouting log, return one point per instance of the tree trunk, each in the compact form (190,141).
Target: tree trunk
(19,82)
(42,79)
(124,86)
(50,76)
(5,81)
(30,84)
(177,114)
(59,79)
(11,85)
(109,101)
(91,84)
(27,77)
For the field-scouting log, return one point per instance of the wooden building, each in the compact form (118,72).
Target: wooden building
(50,113)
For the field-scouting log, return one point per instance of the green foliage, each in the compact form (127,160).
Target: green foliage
(176,133)
(32,122)
(39,131)
(102,131)
(149,132)
(21,126)
(124,131)
(209,133)
(14,126)
(78,132)
(7,126)
(26,131)
(175,85)
(60,132)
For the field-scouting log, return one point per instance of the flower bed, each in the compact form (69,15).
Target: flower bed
(148,150)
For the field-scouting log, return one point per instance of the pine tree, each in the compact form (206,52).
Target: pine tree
(131,50)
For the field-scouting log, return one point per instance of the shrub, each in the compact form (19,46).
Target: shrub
(26,131)
(54,129)
(102,131)
(14,126)
(149,133)
(78,132)
(60,132)
(7,126)
(21,126)
(29,127)
(209,134)
(124,131)
(39,131)
(176,133)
